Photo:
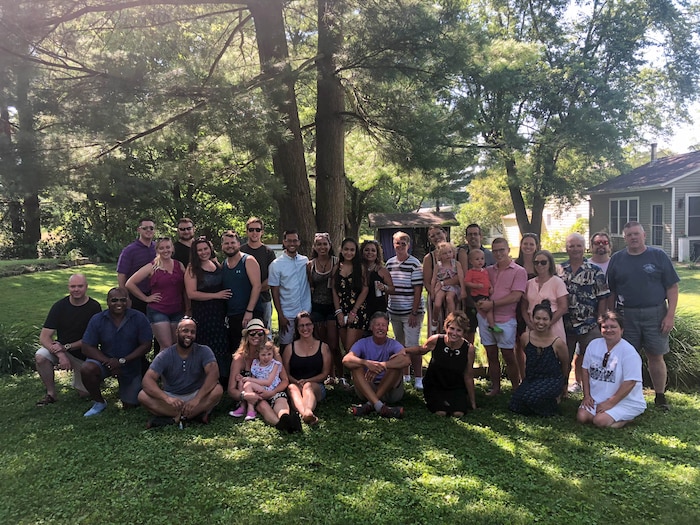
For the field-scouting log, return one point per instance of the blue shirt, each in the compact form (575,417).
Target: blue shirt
(183,376)
(118,341)
(289,274)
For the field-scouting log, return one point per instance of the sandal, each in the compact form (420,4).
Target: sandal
(46,400)
(343,383)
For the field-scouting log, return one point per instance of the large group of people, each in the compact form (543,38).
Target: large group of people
(212,326)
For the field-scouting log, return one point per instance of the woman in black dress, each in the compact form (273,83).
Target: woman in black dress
(203,284)
(547,367)
(378,278)
(449,381)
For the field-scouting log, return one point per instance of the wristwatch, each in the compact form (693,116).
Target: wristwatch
(67,346)
(122,360)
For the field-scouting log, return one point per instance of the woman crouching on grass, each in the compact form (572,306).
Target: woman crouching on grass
(308,363)
(449,381)
(272,405)
(612,378)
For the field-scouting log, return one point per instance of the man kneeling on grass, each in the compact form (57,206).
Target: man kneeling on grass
(190,376)
(376,364)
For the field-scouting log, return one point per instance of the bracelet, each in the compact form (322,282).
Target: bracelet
(338,311)
(249,311)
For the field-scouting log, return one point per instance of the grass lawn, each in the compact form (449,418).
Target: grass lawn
(490,467)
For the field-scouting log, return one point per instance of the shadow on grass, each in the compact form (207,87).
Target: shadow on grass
(489,467)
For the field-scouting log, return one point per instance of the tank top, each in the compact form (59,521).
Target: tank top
(171,288)
(321,292)
(305,367)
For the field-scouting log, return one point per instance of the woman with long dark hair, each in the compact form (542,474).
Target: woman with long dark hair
(349,294)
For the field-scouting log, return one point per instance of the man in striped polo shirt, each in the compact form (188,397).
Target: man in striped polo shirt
(406,303)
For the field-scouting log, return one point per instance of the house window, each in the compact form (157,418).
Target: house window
(694,216)
(657,225)
(623,211)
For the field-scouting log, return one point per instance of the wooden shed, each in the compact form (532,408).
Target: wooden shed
(416,225)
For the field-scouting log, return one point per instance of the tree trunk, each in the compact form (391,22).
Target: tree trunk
(517,197)
(296,208)
(330,128)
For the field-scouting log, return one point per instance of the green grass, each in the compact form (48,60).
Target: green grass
(490,467)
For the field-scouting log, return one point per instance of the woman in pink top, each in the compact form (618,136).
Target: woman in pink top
(546,285)
(167,301)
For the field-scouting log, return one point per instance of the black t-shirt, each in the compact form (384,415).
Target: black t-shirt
(71,321)
(182,253)
(264,256)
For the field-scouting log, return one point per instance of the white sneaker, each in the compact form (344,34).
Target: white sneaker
(407,379)
(418,383)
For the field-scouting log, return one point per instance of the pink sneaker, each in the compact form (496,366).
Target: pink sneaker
(239,412)
(250,416)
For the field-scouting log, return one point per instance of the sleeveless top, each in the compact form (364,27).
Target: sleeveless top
(305,367)
(211,281)
(171,287)
(375,303)
(236,279)
(321,291)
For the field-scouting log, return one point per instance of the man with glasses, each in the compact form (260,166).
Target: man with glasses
(67,320)
(588,292)
(290,287)
(114,343)
(509,282)
(406,302)
(601,248)
(185,237)
(134,256)
(190,381)
(644,288)
(264,255)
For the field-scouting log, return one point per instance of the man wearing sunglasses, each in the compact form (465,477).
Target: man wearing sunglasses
(185,237)
(114,343)
(67,320)
(601,248)
(264,255)
(134,256)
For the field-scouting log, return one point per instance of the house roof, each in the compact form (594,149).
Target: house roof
(412,219)
(656,174)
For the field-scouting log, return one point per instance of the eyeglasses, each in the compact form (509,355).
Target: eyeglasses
(186,229)
(542,263)
(256,333)
(115,300)
(601,243)
(150,228)
(605,358)
(251,230)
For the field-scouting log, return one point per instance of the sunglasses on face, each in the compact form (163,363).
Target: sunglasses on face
(542,263)
(601,243)
(150,228)
(186,229)
(256,333)
(251,230)
(115,300)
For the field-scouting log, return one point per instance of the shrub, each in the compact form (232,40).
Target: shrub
(683,361)
(17,349)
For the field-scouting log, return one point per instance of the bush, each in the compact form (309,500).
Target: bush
(683,361)
(17,349)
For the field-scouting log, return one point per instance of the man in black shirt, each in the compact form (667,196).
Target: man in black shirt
(67,321)
(264,256)
(185,236)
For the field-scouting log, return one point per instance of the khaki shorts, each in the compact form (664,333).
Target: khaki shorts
(76,363)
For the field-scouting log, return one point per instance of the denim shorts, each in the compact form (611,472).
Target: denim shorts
(157,317)
(322,312)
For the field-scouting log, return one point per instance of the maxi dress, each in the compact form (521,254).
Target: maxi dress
(211,320)
(543,382)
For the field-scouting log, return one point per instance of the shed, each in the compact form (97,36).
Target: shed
(415,224)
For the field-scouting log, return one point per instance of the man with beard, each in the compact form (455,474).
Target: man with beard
(241,275)
(290,287)
(265,256)
(601,249)
(190,378)
(114,343)
(185,236)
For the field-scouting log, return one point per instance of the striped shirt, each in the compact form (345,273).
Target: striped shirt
(405,276)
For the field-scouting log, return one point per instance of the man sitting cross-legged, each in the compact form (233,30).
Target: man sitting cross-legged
(190,376)
(376,364)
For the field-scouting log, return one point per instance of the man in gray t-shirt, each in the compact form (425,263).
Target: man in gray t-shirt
(190,376)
